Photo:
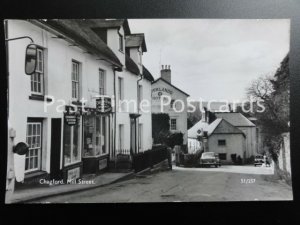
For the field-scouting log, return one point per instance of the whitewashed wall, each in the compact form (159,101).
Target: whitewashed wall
(235,144)
(58,64)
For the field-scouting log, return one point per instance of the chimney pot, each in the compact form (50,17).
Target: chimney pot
(165,73)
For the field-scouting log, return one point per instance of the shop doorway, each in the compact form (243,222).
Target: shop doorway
(55,148)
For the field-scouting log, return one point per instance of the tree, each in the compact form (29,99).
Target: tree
(160,125)
(273,94)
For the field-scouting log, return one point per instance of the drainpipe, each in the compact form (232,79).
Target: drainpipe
(138,108)
(115,114)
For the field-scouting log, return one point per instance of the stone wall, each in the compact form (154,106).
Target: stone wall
(283,166)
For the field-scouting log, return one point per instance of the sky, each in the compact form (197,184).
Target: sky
(214,59)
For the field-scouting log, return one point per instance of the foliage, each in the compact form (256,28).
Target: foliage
(274,94)
(160,126)
(171,139)
(191,160)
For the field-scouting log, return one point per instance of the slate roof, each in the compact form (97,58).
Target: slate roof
(170,85)
(225,127)
(131,66)
(236,119)
(147,74)
(136,40)
(218,126)
(201,125)
(80,31)
(109,23)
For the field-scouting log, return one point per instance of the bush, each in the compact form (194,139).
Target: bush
(191,160)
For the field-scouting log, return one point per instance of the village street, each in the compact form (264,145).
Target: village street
(228,183)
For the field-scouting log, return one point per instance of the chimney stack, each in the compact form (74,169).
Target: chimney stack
(165,73)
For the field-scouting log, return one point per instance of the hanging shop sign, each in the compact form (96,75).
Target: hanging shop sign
(103,104)
(71,117)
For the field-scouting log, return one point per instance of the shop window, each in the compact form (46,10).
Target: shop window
(95,136)
(34,140)
(101,82)
(173,124)
(37,79)
(72,142)
(221,142)
(75,80)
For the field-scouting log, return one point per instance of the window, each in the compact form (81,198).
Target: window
(222,156)
(140,140)
(72,143)
(101,82)
(121,47)
(75,80)
(221,142)
(120,88)
(121,136)
(172,103)
(34,140)
(37,79)
(95,138)
(140,94)
(173,124)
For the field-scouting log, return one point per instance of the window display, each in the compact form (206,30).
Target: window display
(95,138)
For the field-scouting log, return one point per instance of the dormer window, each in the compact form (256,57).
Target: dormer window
(121,43)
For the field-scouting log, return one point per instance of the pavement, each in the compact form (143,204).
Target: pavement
(227,183)
(89,182)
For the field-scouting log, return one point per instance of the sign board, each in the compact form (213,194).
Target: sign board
(70,117)
(159,91)
(74,173)
(102,164)
(103,104)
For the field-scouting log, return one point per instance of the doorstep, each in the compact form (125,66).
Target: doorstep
(87,182)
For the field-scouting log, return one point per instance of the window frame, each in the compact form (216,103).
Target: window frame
(38,76)
(121,43)
(121,136)
(71,143)
(221,142)
(40,148)
(77,82)
(103,79)
(171,125)
(221,156)
(140,95)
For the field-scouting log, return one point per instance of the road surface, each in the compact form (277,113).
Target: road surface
(227,183)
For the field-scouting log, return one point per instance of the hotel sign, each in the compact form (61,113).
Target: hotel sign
(103,104)
(159,91)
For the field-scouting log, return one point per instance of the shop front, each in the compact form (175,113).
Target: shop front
(86,139)
(96,142)
(97,136)
(72,142)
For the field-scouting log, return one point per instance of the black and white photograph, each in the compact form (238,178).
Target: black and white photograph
(148,110)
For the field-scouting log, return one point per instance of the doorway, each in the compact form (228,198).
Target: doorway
(55,148)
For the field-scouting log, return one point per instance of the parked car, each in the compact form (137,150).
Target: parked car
(209,159)
(258,160)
